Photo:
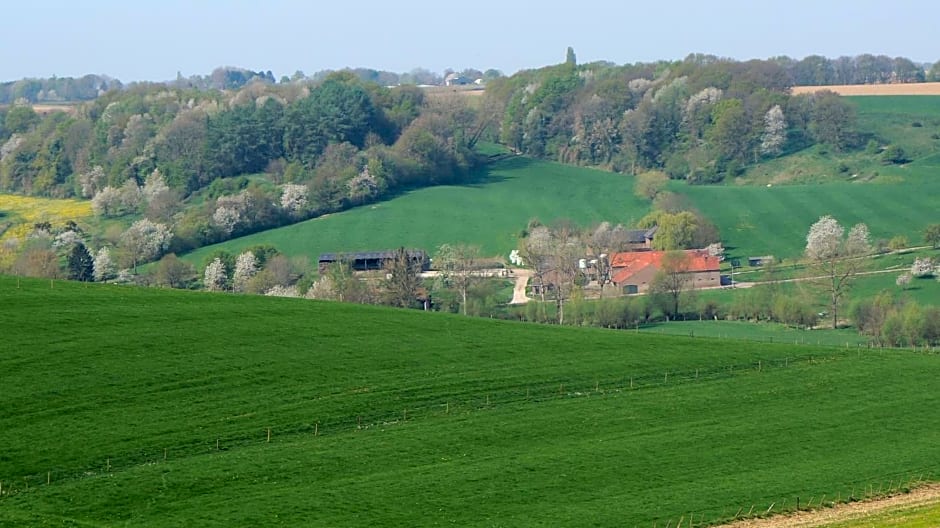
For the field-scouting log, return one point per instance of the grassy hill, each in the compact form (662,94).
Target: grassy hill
(490,214)
(754,219)
(149,407)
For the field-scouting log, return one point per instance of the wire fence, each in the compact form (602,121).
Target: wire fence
(494,397)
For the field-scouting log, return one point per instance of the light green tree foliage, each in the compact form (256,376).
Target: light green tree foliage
(676,230)
(932,235)
(649,184)
(458,269)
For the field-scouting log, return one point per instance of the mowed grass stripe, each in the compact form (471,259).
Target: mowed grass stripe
(616,459)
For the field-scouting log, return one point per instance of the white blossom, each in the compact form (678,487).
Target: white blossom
(104,266)
(824,239)
(230,211)
(154,186)
(922,267)
(775,132)
(214,277)
(363,186)
(146,240)
(903,280)
(66,239)
(91,181)
(283,291)
(706,96)
(716,250)
(293,197)
(11,145)
(246,266)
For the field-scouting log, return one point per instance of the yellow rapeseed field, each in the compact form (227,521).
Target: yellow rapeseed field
(21,212)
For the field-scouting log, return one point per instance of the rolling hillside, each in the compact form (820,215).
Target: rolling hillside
(490,214)
(753,219)
(150,407)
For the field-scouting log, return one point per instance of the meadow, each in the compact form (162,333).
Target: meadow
(19,213)
(490,214)
(151,407)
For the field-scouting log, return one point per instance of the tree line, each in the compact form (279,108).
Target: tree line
(701,119)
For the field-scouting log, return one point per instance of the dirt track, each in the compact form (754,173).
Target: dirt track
(932,88)
(924,495)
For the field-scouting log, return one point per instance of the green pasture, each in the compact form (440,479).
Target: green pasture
(774,220)
(763,332)
(150,407)
(490,214)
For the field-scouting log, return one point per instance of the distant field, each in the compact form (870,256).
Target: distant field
(19,213)
(490,214)
(148,407)
(759,332)
(931,88)
(774,221)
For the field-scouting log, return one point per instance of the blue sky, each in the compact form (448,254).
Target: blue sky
(152,40)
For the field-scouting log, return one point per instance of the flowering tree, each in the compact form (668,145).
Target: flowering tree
(154,186)
(246,266)
(903,280)
(922,267)
(836,258)
(104,265)
(294,198)
(775,132)
(90,181)
(145,240)
(230,211)
(283,291)
(214,277)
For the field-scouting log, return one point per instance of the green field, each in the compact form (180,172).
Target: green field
(774,221)
(899,200)
(763,332)
(148,407)
(490,214)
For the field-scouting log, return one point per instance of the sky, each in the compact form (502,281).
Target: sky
(136,40)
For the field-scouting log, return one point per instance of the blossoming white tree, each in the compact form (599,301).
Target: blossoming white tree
(104,266)
(293,198)
(835,258)
(775,132)
(145,240)
(246,266)
(215,275)
(922,267)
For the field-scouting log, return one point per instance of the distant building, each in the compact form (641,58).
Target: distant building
(760,261)
(634,271)
(372,260)
(455,79)
(641,239)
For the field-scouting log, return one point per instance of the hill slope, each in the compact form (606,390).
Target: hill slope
(490,214)
(153,408)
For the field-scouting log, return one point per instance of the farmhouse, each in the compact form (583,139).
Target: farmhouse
(633,271)
(373,260)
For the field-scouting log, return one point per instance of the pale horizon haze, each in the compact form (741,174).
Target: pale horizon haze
(137,41)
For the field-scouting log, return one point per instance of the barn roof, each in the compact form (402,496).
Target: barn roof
(629,263)
(640,236)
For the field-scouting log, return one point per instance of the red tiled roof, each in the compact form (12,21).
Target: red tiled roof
(625,265)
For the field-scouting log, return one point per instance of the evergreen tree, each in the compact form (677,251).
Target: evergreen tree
(81,264)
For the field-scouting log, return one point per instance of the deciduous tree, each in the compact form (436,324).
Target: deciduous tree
(836,259)
(458,267)
(672,280)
